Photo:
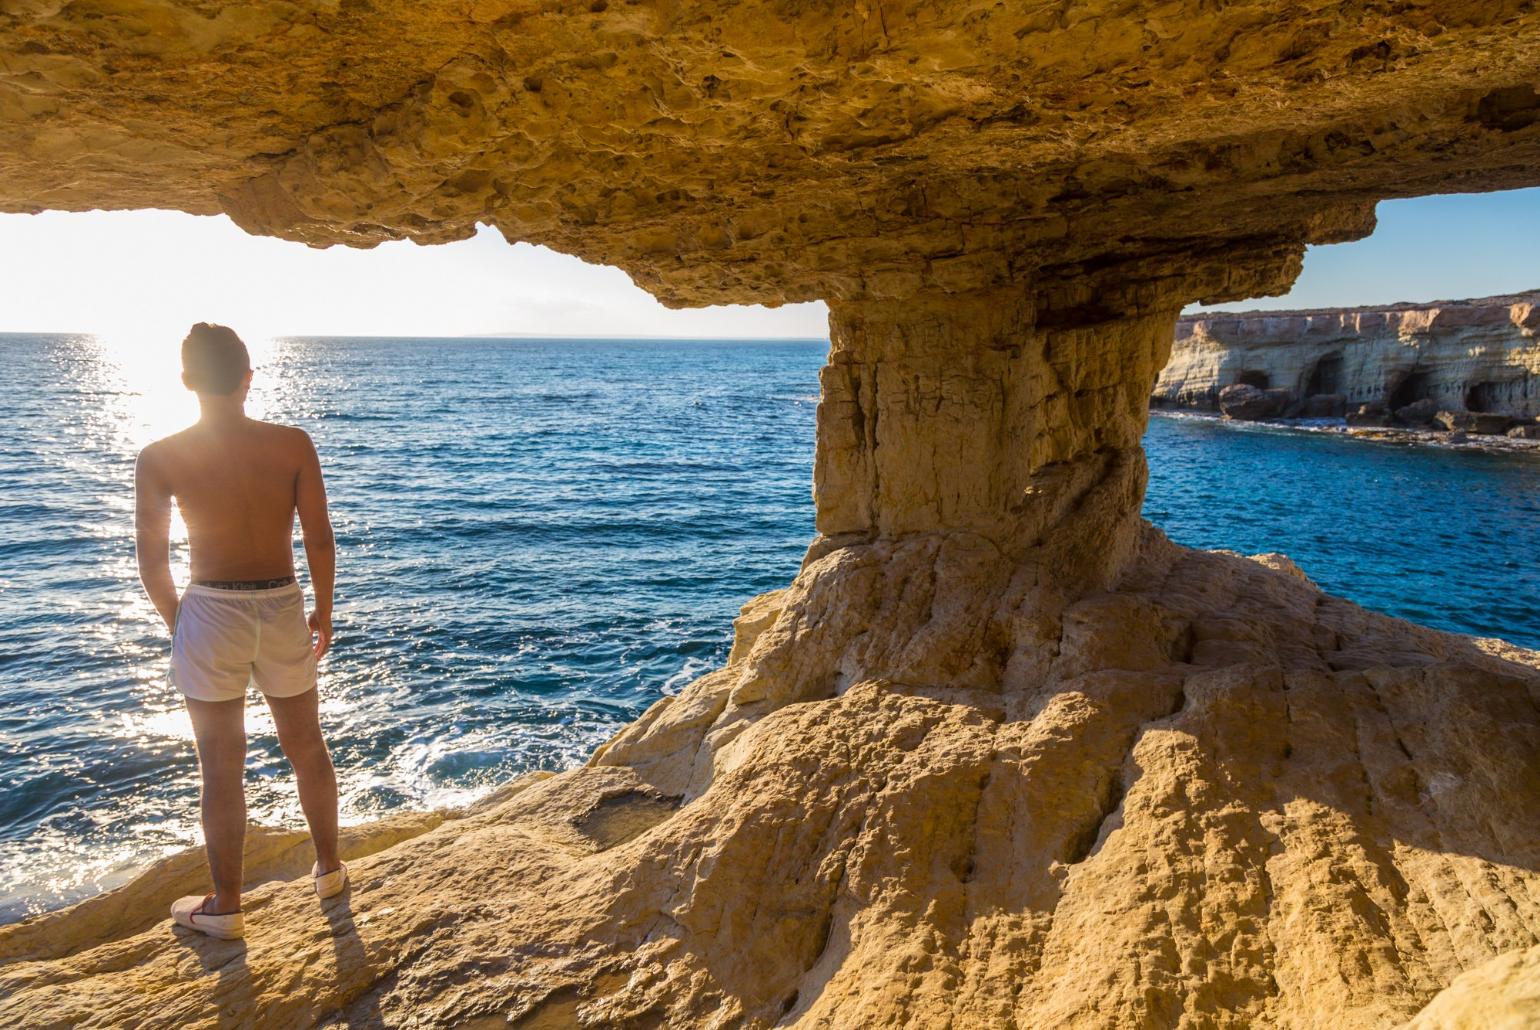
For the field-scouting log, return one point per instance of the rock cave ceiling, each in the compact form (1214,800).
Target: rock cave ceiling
(778,151)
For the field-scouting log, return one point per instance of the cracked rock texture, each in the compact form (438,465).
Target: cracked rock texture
(1464,355)
(1206,795)
(770,150)
(1001,754)
(1502,994)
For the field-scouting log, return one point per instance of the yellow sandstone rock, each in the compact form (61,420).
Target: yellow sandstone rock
(769,151)
(1502,994)
(1000,755)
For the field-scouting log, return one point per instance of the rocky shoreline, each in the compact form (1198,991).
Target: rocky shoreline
(1001,754)
(1403,435)
(1443,372)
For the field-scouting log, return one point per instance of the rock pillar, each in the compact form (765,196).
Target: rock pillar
(995,413)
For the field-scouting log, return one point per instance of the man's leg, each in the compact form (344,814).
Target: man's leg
(299,734)
(220,729)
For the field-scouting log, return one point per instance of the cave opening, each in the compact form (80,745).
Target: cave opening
(1326,376)
(1484,396)
(1412,387)
(1005,220)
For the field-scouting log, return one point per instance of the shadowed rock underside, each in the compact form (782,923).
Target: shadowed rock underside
(1001,755)
(773,151)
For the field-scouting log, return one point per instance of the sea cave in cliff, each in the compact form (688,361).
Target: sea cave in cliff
(1001,754)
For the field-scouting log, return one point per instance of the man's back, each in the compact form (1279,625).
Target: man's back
(238,485)
(241,621)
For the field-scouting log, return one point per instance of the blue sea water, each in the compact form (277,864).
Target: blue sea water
(537,539)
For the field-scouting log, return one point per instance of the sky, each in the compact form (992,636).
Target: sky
(1429,248)
(153,273)
(161,271)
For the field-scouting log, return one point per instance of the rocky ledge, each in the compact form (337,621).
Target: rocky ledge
(1001,755)
(1205,795)
(1460,367)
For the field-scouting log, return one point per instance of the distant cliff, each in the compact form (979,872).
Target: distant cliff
(1479,356)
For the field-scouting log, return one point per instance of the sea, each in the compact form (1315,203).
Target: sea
(540,537)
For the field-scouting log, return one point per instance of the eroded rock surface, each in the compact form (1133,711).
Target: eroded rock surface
(770,151)
(1503,994)
(1001,754)
(1205,795)
(1466,357)
(1249,403)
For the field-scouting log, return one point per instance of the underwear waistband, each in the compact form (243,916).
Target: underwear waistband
(244,584)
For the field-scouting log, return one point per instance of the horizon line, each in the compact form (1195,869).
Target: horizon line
(469,336)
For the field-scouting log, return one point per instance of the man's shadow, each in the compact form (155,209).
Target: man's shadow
(236,994)
(350,956)
(226,959)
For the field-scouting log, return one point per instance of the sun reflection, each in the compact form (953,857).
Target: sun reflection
(171,724)
(137,377)
(145,377)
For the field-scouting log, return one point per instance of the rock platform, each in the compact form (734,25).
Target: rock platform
(1000,755)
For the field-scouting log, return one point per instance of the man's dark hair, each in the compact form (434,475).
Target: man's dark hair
(214,360)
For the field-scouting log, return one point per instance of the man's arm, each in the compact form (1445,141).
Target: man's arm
(320,549)
(152,535)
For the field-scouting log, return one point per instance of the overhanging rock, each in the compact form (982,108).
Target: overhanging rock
(1001,754)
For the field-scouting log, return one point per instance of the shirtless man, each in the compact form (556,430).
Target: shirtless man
(238,483)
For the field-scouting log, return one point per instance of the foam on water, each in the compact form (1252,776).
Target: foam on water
(538,539)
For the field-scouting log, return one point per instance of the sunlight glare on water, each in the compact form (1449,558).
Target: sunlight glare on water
(144,375)
(532,537)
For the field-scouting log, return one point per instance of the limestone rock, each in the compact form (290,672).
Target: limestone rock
(1525,432)
(1372,414)
(1324,405)
(1418,413)
(1247,403)
(1476,356)
(1474,422)
(1503,994)
(760,151)
(1001,754)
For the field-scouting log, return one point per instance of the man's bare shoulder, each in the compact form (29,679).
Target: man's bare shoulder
(291,437)
(160,451)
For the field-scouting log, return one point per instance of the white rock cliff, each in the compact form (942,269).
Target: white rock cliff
(1469,355)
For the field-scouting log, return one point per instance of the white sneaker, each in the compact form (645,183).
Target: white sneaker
(189,912)
(329,885)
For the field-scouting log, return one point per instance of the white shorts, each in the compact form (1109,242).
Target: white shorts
(225,640)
